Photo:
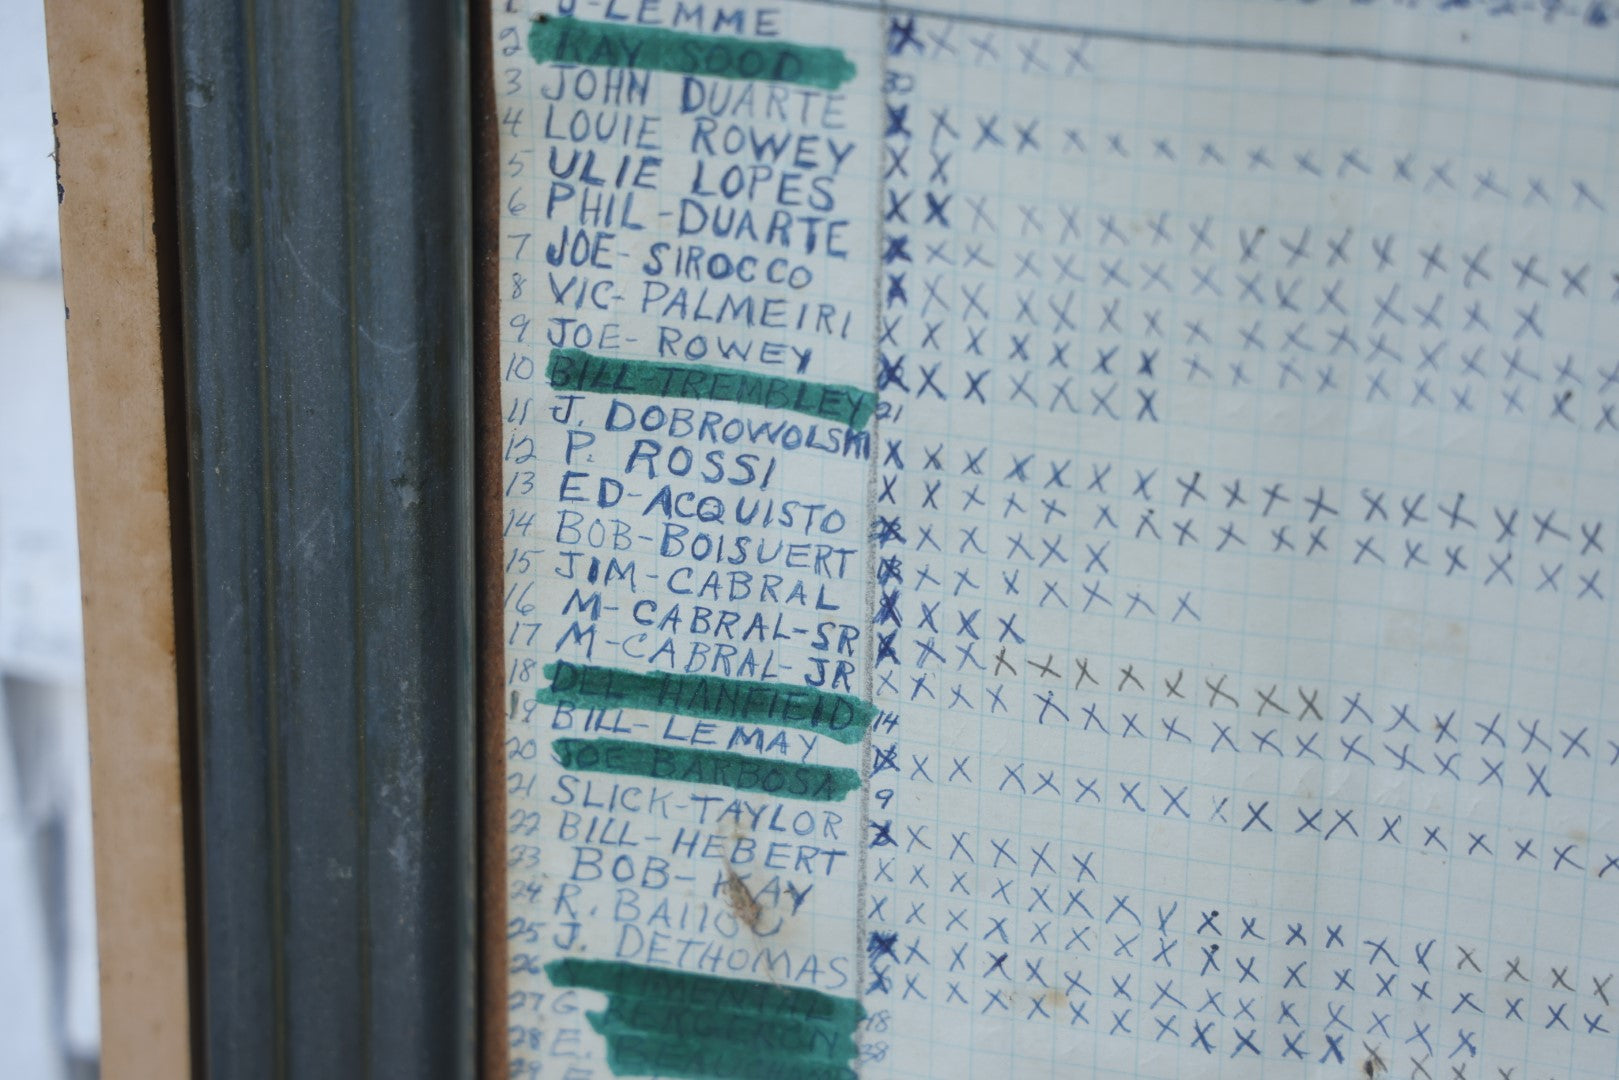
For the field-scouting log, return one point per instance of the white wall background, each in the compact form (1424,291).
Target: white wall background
(48,1013)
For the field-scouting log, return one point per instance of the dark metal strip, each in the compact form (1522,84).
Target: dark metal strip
(323,173)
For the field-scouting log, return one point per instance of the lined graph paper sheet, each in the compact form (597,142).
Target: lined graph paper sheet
(1061,540)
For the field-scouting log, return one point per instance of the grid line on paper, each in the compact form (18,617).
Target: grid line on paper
(955,423)
(1236,44)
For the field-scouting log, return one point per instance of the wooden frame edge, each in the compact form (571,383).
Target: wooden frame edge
(124,429)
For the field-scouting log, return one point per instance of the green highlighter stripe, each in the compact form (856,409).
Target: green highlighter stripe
(575,369)
(840,717)
(616,978)
(638,1054)
(566,40)
(824,1040)
(665,1022)
(739,772)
